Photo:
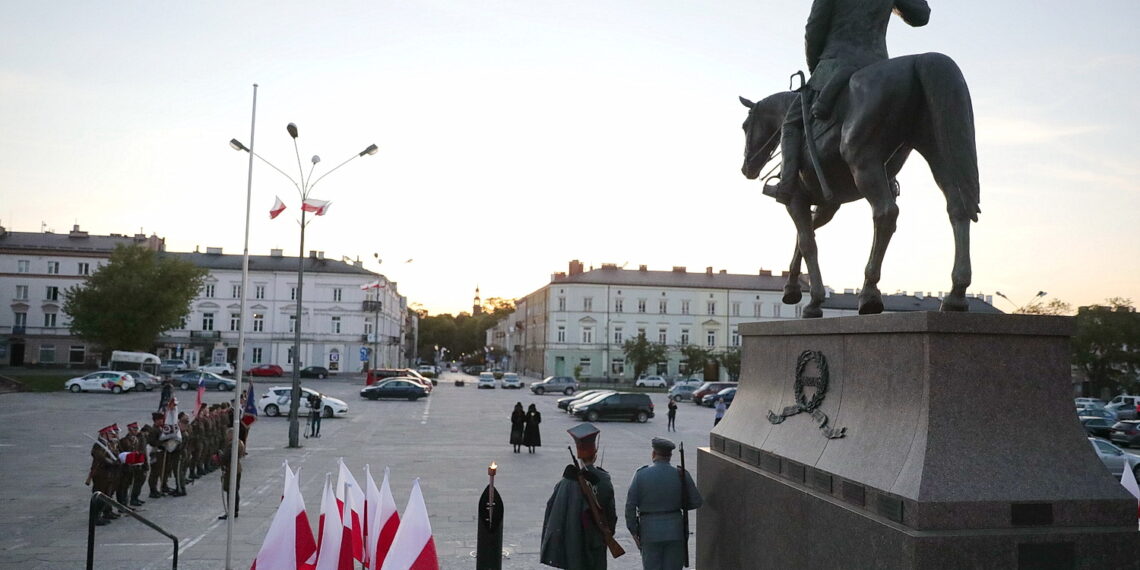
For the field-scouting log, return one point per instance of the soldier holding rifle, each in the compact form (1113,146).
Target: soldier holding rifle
(580,515)
(655,506)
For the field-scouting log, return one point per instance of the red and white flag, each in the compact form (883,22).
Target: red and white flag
(352,511)
(278,207)
(331,531)
(318,207)
(413,548)
(289,542)
(382,520)
(373,285)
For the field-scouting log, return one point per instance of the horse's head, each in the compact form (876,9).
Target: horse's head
(762,132)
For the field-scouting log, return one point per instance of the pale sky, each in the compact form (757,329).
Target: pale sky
(517,135)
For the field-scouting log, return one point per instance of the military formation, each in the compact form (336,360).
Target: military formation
(173,450)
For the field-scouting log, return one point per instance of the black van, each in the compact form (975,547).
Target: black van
(618,406)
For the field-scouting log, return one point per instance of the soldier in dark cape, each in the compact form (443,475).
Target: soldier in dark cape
(570,539)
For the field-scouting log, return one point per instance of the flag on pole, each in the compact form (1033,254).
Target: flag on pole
(278,207)
(373,285)
(413,548)
(331,530)
(249,412)
(382,520)
(318,207)
(1128,479)
(352,511)
(289,542)
(349,537)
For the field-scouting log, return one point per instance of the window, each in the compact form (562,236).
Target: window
(49,320)
(799,311)
(641,332)
(292,323)
(641,305)
(257,356)
(710,338)
(259,291)
(47,353)
(77,354)
(685,307)
(207,321)
(336,294)
(292,293)
(235,291)
(53,268)
(617,335)
(23,266)
(367,328)
(712,307)
(684,337)
(208,291)
(617,366)
(662,335)
(22,292)
(336,324)
(235,321)
(21,320)
(735,337)
(662,306)
(562,303)
(618,305)
(587,335)
(588,304)
(258,322)
(52,293)
(756,309)
(736,308)
(561,334)
(83,268)
(289,356)
(775,309)
(584,364)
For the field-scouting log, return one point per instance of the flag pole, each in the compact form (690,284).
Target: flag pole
(231,506)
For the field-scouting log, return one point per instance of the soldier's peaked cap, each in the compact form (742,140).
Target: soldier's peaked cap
(133,425)
(585,436)
(663,446)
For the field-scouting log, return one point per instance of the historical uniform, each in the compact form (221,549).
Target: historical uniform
(156,455)
(104,472)
(842,37)
(134,475)
(224,459)
(653,509)
(570,537)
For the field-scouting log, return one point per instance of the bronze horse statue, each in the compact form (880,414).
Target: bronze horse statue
(917,102)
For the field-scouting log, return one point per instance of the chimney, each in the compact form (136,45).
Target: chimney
(609,266)
(918,295)
(783,274)
(312,254)
(321,255)
(641,268)
(765,272)
(575,267)
(76,232)
(276,253)
(724,272)
(213,250)
(4,232)
(678,269)
(558,276)
(708,270)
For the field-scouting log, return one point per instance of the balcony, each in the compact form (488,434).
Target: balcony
(213,335)
(19,329)
(372,306)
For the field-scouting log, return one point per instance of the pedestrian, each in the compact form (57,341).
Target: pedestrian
(720,408)
(518,423)
(224,459)
(653,507)
(531,436)
(672,426)
(315,406)
(571,538)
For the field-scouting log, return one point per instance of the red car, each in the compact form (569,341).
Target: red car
(266,370)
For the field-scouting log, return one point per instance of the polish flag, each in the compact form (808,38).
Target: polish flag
(373,285)
(278,207)
(289,542)
(382,520)
(413,547)
(318,207)
(331,531)
(352,511)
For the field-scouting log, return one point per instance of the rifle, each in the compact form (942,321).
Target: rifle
(596,510)
(684,502)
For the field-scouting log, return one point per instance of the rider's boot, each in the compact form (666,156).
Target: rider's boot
(791,143)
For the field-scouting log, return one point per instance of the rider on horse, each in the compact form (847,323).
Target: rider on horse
(842,37)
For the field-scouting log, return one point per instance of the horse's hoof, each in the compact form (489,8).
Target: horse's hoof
(811,312)
(954,304)
(792,295)
(871,306)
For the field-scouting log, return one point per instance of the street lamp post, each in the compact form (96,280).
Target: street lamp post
(304,187)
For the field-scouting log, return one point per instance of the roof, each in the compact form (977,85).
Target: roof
(639,278)
(76,241)
(903,303)
(269,263)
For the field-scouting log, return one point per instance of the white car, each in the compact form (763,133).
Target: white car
(511,380)
(486,380)
(651,382)
(105,381)
(223,369)
(276,401)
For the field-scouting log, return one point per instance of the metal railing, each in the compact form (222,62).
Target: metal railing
(97,500)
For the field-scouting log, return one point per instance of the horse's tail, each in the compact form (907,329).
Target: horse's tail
(952,118)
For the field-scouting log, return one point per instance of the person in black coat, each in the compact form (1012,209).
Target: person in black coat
(518,424)
(531,436)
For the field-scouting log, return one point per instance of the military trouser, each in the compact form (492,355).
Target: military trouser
(156,469)
(123,485)
(138,477)
(663,555)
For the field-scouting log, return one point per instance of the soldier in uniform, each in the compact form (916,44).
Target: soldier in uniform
(104,473)
(570,537)
(133,475)
(842,37)
(653,509)
(224,459)
(157,454)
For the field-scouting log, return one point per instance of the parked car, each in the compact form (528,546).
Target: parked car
(1124,406)
(710,388)
(728,394)
(400,387)
(144,380)
(189,381)
(104,381)
(556,384)
(682,392)
(1095,401)
(511,380)
(1125,433)
(1094,413)
(266,370)
(473,369)
(617,406)
(564,403)
(486,380)
(223,369)
(171,365)
(651,382)
(378,374)
(319,372)
(427,370)
(691,381)
(1114,458)
(1098,427)
(277,400)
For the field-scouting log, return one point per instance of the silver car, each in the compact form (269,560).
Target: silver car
(1114,458)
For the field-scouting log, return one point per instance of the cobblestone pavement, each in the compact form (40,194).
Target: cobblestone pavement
(447,441)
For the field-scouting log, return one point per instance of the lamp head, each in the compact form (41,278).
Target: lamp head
(236,145)
(372,149)
(292,128)
(316,159)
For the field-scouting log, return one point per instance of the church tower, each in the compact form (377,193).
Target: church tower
(477,307)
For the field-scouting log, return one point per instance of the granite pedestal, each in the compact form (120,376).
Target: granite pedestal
(941,440)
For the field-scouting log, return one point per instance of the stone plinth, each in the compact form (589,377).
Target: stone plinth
(960,449)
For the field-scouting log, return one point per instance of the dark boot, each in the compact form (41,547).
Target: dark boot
(102,522)
(791,145)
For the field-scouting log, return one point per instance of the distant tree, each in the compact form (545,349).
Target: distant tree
(1107,345)
(1053,307)
(730,359)
(127,303)
(696,358)
(642,353)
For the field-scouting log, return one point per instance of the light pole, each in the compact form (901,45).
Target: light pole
(1029,303)
(304,187)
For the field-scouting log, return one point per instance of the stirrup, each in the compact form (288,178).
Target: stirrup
(771,189)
